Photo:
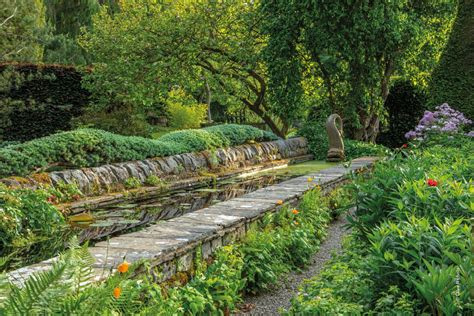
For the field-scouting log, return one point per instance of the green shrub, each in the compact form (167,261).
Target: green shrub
(38,100)
(405,104)
(30,227)
(89,147)
(183,110)
(411,245)
(400,249)
(398,187)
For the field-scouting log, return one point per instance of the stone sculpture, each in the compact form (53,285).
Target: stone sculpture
(336,144)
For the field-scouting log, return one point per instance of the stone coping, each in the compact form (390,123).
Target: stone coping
(108,178)
(171,244)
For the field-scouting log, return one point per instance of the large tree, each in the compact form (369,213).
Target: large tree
(355,47)
(21,22)
(148,47)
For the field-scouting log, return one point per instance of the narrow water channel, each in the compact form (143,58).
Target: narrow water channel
(118,218)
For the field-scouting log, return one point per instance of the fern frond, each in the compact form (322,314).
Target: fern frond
(34,292)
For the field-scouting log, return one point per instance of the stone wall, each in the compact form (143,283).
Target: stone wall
(109,178)
(172,245)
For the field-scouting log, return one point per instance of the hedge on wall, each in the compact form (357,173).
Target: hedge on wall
(453,80)
(405,105)
(92,147)
(38,100)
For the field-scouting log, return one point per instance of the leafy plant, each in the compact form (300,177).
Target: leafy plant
(132,183)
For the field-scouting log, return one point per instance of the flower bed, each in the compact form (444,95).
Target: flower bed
(410,250)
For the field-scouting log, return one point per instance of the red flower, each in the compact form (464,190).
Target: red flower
(432,182)
(404,145)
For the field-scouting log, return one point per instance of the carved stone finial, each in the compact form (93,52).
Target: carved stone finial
(336,145)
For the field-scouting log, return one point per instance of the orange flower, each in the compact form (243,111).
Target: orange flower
(117,292)
(295,211)
(123,267)
(279,202)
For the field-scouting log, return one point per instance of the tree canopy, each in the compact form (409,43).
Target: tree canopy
(355,48)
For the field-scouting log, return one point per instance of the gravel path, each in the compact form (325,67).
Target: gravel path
(270,302)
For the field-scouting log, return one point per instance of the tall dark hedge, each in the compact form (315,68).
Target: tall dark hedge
(453,80)
(405,105)
(50,95)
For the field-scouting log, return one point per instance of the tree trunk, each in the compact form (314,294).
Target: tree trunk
(208,92)
(370,121)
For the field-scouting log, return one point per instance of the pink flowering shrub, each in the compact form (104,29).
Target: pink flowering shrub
(443,120)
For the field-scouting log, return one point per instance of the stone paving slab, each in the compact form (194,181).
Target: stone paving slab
(212,226)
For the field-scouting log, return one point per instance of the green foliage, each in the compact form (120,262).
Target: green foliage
(30,225)
(149,48)
(411,247)
(156,181)
(66,18)
(63,192)
(132,183)
(38,100)
(352,50)
(405,104)
(22,22)
(453,79)
(89,147)
(183,110)
(315,133)
(341,288)
(284,241)
(399,189)
(123,121)
(416,250)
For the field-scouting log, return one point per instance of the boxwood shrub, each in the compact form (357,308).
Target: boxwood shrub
(91,147)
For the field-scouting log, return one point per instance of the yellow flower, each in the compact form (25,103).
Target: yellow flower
(279,202)
(123,267)
(310,179)
(295,222)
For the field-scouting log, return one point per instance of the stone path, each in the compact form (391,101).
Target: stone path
(172,244)
(271,302)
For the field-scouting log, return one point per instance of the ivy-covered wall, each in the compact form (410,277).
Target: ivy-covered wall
(38,100)
(453,80)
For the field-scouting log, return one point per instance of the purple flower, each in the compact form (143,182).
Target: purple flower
(410,135)
(443,120)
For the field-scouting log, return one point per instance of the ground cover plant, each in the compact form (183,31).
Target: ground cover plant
(410,251)
(91,147)
(281,242)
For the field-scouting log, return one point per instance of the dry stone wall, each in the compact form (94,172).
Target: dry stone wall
(111,177)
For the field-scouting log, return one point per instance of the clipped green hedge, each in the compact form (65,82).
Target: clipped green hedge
(91,147)
(39,100)
(452,81)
